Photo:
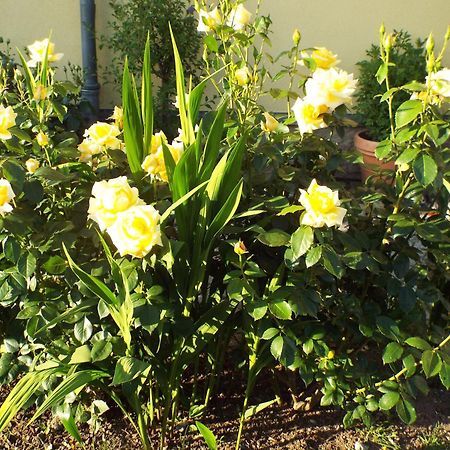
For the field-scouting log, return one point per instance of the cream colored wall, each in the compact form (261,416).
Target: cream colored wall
(347,27)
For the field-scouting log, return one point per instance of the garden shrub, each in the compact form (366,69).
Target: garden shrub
(237,230)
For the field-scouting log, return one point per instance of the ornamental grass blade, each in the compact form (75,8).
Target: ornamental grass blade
(147,99)
(29,78)
(21,393)
(132,121)
(70,384)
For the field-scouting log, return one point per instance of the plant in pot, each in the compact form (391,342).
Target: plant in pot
(394,63)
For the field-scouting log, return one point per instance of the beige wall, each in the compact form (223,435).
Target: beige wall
(347,27)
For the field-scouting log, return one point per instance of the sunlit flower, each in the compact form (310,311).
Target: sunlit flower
(439,83)
(270,124)
(7,120)
(239,17)
(6,195)
(330,87)
(32,165)
(42,139)
(208,21)
(136,231)
(154,163)
(321,206)
(104,134)
(324,58)
(38,50)
(308,115)
(110,198)
(88,148)
(117,116)
(240,248)
(242,76)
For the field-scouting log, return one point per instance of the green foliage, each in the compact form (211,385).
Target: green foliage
(407,64)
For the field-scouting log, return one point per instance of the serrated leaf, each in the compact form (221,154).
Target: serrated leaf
(274,238)
(431,363)
(392,353)
(425,169)
(389,400)
(407,112)
(280,309)
(407,155)
(383,149)
(313,256)
(301,241)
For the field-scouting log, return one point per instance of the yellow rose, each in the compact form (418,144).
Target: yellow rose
(323,58)
(38,51)
(154,163)
(309,116)
(104,134)
(136,231)
(40,92)
(242,76)
(117,116)
(270,125)
(157,140)
(330,87)
(32,165)
(321,206)
(7,120)
(42,139)
(109,198)
(6,195)
(240,248)
(208,21)
(239,17)
(88,148)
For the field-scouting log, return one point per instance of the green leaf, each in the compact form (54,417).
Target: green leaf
(11,249)
(383,149)
(83,330)
(281,309)
(392,352)
(382,72)
(301,241)
(55,265)
(128,369)
(147,100)
(425,169)
(207,435)
(444,375)
(256,308)
(406,411)
(64,414)
(407,112)
(274,238)
(81,355)
(15,174)
(101,350)
(313,256)
(255,409)
(431,363)
(332,262)
(276,347)
(389,400)
(407,155)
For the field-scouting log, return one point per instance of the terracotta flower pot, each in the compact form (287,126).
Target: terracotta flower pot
(371,162)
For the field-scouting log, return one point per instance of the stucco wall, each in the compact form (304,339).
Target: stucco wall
(347,27)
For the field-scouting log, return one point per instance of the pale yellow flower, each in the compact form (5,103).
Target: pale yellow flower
(38,50)
(7,120)
(240,248)
(321,206)
(239,17)
(136,231)
(309,116)
(439,83)
(88,148)
(157,140)
(104,134)
(117,116)
(208,21)
(110,198)
(154,163)
(270,124)
(324,58)
(42,139)
(330,87)
(6,195)
(40,92)
(32,165)
(242,76)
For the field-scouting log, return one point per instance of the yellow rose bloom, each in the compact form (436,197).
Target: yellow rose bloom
(309,116)
(88,148)
(330,87)
(154,163)
(40,92)
(239,17)
(324,58)
(109,199)
(6,195)
(7,120)
(136,231)
(42,139)
(117,116)
(270,124)
(38,50)
(104,134)
(32,165)
(321,207)
(208,21)
(242,76)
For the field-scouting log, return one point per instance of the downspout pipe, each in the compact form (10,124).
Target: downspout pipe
(91,88)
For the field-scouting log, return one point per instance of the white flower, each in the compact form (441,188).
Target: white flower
(331,87)
(239,17)
(308,115)
(39,49)
(439,83)
(208,21)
